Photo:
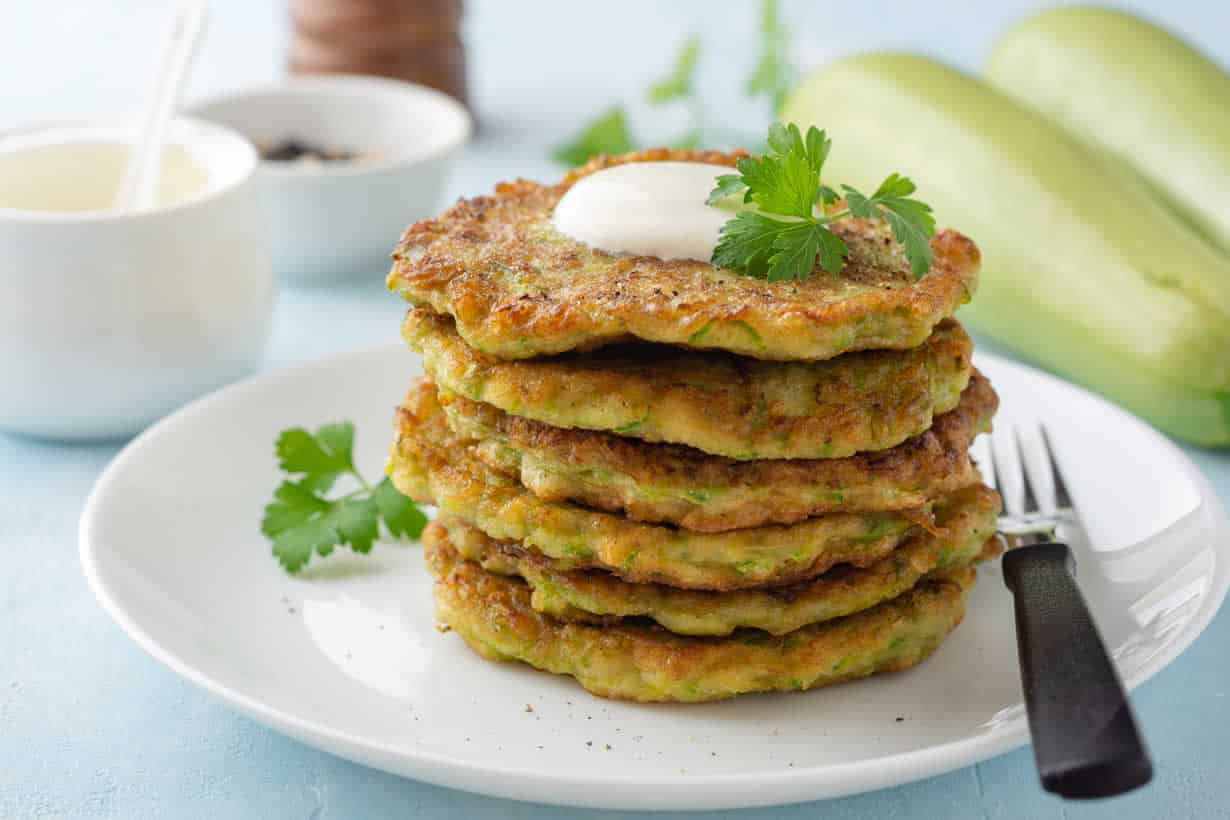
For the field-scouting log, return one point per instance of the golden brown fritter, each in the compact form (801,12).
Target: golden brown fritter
(518,288)
(493,614)
(714,402)
(670,483)
(430,465)
(595,596)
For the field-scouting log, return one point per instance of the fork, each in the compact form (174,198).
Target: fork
(1085,738)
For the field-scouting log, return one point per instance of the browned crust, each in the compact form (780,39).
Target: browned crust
(776,491)
(570,297)
(598,596)
(713,401)
(494,616)
(431,466)
(602,161)
(971,510)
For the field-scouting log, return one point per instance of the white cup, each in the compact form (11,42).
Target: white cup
(110,320)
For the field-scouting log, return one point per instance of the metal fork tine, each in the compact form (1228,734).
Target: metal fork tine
(1031,502)
(997,480)
(981,453)
(1005,461)
(1062,500)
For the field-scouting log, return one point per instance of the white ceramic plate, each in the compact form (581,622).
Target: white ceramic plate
(345,656)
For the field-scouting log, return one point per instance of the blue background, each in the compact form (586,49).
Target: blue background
(91,727)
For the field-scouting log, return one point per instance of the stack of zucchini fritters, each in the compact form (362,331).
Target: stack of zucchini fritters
(675,482)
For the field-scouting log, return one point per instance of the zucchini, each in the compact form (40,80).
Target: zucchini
(1136,91)
(1082,269)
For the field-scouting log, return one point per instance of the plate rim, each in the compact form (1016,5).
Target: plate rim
(692,792)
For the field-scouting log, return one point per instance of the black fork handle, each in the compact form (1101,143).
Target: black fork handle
(1085,738)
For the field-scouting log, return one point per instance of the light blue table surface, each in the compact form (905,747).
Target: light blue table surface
(92,727)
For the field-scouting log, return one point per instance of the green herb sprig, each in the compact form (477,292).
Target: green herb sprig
(609,132)
(774,74)
(679,87)
(302,521)
(772,77)
(782,233)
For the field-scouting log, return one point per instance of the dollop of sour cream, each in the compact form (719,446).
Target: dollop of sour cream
(645,209)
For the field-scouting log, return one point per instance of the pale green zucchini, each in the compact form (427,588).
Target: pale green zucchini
(1083,270)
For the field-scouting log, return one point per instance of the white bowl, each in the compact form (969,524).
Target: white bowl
(338,220)
(109,321)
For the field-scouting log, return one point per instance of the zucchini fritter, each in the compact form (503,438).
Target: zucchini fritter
(714,402)
(595,596)
(674,484)
(493,614)
(518,288)
(431,465)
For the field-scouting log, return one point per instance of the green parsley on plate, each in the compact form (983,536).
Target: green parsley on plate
(303,520)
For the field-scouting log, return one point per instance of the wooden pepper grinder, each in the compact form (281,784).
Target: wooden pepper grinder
(414,40)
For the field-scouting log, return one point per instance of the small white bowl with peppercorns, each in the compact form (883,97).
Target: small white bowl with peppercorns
(347,163)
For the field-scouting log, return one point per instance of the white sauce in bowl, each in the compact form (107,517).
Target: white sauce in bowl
(74,173)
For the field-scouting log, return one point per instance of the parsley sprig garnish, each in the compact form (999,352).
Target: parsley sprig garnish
(302,521)
(782,233)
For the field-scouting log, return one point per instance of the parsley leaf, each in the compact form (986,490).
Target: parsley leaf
(295,523)
(777,250)
(786,180)
(727,186)
(608,134)
(402,517)
(781,233)
(678,84)
(911,220)
(795,249)
(357,522)
(301,521)
(746,243)
(773,76)
(329,451)
(833,251)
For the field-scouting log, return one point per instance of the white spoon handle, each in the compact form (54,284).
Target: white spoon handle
(139,188)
